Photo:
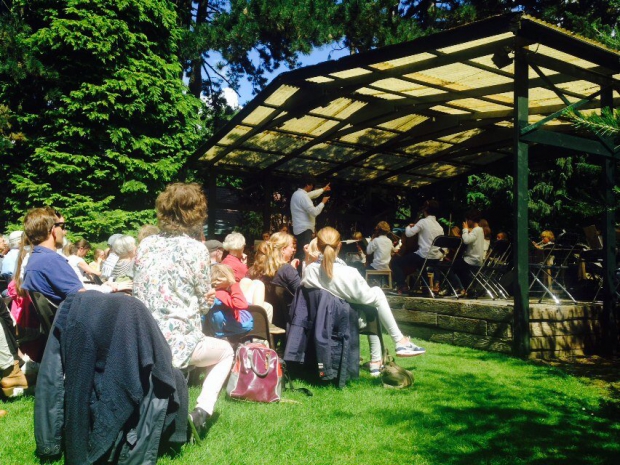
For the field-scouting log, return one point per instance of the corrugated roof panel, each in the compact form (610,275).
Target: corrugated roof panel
(407,180)
(336,153)
(540,96)
(404,123)
(310,125)
(308,167)
(274,141)
(383,161)
(440,170)
(281,95)
(426,148)
(407,60)
(320,79)
(478,105)
(257,116)
(378,94)
(352,173)
(475,43)
(562,56)
(368,137)
(449,111)
(235,134)
(465,75)
(213,152)
(461,136)
(341,108)
(399,85)
(249,159)
(584,88)
(350,73)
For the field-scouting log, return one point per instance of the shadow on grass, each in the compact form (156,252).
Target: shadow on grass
(536,416)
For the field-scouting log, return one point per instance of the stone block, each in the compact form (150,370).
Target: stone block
(415,317)
(483,342)
(467,325)
(503,330)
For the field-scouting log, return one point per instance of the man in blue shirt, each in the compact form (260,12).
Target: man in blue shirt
(48,272)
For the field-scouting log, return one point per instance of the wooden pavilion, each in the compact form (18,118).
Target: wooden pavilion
(441,106)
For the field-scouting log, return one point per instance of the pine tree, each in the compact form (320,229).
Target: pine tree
(94,87)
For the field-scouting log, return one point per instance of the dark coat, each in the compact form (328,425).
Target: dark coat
(104,357)
(324,328)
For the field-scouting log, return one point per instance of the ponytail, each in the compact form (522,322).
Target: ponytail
(25,247)
(328,240)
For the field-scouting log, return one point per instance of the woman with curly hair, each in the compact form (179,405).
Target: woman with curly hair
(172,277)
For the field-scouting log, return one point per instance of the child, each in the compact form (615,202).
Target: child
(229,314)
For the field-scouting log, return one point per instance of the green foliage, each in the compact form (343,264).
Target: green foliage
(106,120)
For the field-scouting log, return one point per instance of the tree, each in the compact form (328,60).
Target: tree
(93,86)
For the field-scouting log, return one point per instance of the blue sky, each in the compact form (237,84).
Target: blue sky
(317,56)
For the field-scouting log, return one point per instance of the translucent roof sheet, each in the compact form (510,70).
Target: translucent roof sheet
(419,112)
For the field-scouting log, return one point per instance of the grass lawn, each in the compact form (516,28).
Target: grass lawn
(466,407)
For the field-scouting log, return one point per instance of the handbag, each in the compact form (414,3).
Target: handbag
(256,375)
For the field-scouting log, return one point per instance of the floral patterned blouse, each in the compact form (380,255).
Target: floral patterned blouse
(172,277)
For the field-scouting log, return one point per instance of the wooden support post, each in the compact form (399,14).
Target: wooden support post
(211,203)
(520,201)
(267,198)
(608,318)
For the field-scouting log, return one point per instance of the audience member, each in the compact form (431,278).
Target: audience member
(77,262)
(98,258)
(111,259)
(427,229)
(146,231)
(333,275)
(229,315)
(381,246)
(9,263)
(216,250)
(172,277)
(48,272)
(125,248)
(234,243)
(304,212)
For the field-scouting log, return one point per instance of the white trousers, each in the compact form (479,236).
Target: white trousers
(218,354)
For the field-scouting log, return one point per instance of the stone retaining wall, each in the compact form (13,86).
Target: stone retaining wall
(555,330)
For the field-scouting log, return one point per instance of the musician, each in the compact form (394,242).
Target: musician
(381,246)
(427,229)
(547,239)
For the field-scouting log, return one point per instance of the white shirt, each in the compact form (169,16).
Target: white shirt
(347,283)
(382,248)
(303,211)
(474,239)
(75,261)
(427,229)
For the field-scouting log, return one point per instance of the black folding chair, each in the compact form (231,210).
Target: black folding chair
(495,265)
(440,267)
(550,265)
(45,309)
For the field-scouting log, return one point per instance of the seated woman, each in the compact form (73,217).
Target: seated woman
(98,259)
(333,275)
(125,248)
(234,243)
(229,315)
(172,277)
(77,262)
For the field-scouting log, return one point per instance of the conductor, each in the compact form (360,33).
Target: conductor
(304,212)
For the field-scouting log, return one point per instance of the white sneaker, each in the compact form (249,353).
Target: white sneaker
(409,350)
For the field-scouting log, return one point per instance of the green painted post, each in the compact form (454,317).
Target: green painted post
(520,203)
(608,320)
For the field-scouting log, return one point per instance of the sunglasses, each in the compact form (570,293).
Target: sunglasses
(62,225)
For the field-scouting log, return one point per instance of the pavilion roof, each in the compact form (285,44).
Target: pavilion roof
(418,112)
